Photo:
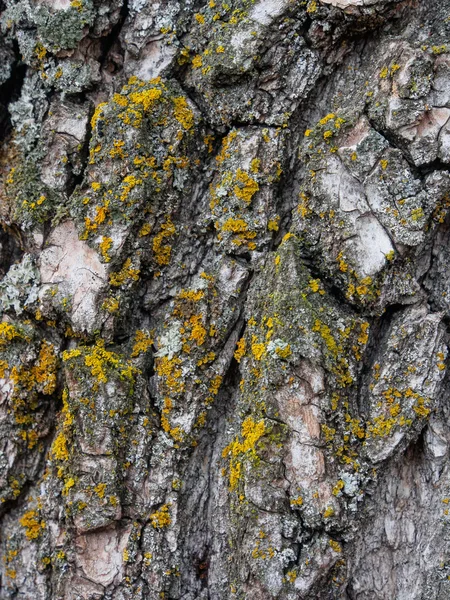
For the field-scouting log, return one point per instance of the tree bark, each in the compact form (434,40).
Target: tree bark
(224,288)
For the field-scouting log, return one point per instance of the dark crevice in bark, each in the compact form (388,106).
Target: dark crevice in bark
(284,206)
(157,306)
(20,501)
(379,330)
(113,36)
(359,41)
(440,236)
(435,165)
(12,504)
(77,178)
(313,264)
(238,123)
(244,259)
(11,247)
(194,97)
(10,92)
(419,171)
(339,294)
(203,530)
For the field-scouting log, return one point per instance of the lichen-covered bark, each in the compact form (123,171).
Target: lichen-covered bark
(225,297)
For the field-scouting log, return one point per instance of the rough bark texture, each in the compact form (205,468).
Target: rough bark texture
(225,296)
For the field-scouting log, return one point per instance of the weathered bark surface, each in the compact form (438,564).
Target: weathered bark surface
(225,276)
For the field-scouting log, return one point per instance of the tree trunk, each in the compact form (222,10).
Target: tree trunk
(225,273)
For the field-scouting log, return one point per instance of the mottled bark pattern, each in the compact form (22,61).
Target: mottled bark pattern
(225,297)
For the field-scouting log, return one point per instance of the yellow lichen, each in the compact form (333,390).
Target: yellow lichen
(417,213)
(335,546)
(215,384)
(258,348)
(111,305)
(240,350)
(146,97)
(168,370)
(191,295)
(126,274)
(235,225)
(298,501)
(3,367)
(246,187)
(273,224)
(291,576)
(142,342)
(327,118)
(120,100)
(44,371)
(325,333)
(314,284)
(338,487)
(174,432)
(420,408)
(226,142)
(161,518)
(329,512)
(98,113)
(162,252)
(145,230)
(105,245)
(32,525)
(99,489)
(59,447)
(439,49)
(7,333)
(69,482)
(364,335)
(99,361)
(117,151)
(255,165)
(198,332)
(128,184)
(251,433)
(284,352)
(183,114)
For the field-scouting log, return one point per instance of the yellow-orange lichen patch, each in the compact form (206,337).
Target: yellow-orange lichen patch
(245,187)
(240,350)
(251,433)
(99,361)
(32,524)
(161,518)
(127,273)
(162,251)
(183,114)
(8,332)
